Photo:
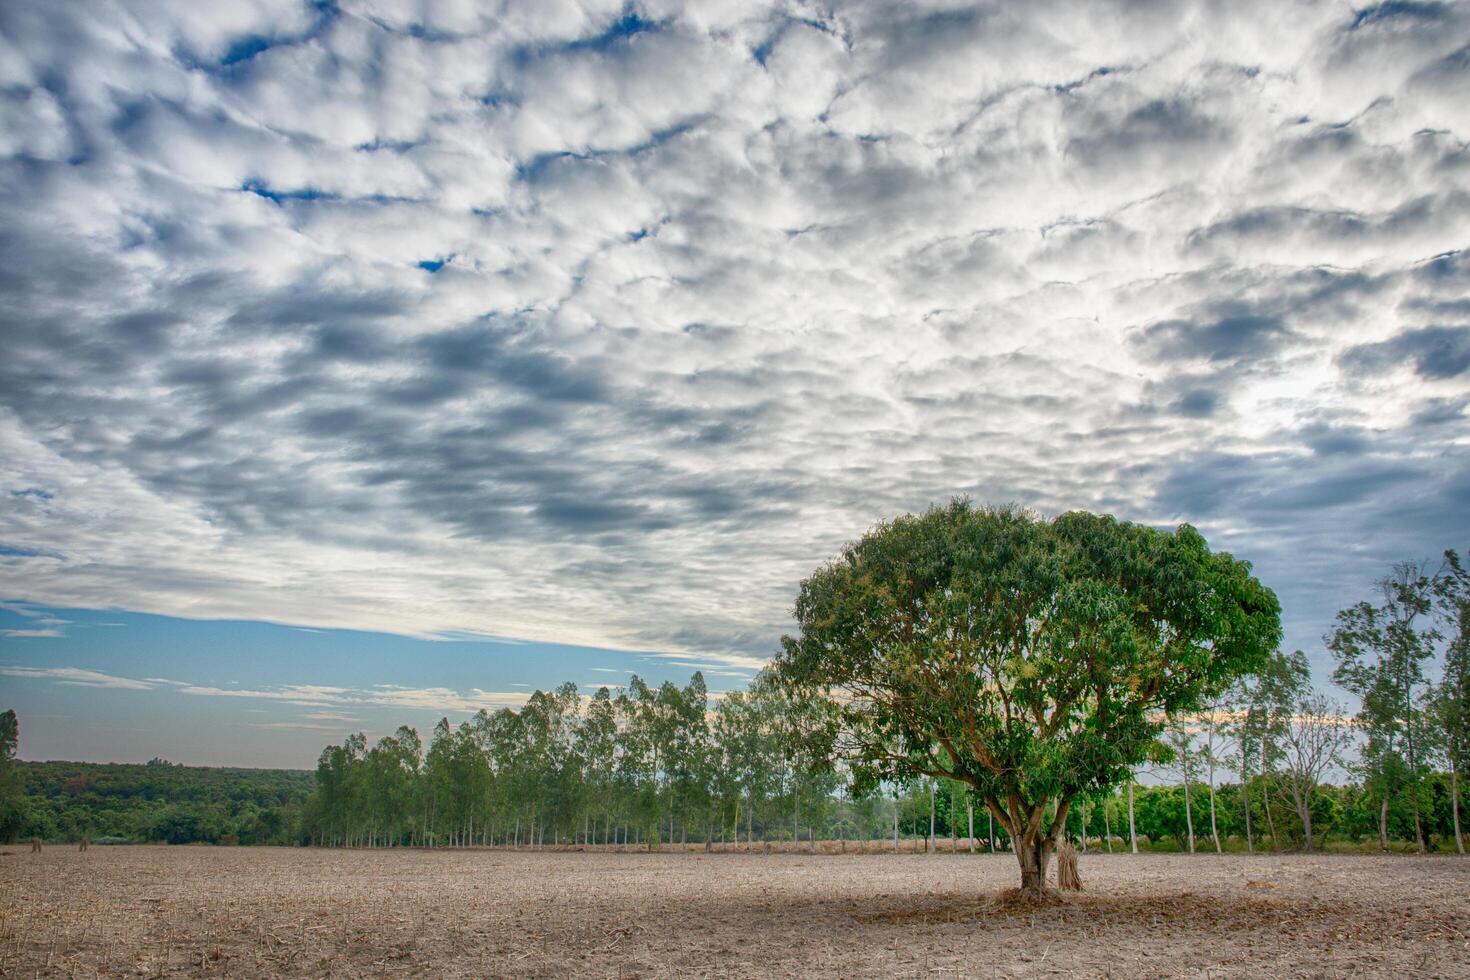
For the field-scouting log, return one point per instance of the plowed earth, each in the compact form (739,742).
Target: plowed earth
(150,911)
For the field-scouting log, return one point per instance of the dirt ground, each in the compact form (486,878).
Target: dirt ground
(149,911)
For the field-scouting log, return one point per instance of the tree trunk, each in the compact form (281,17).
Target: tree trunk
(1214,830)
(1034,854)
(1383,824)
(990,841)
(795,816)
(930,845)
(1188,815)
(1270,817)
(1108,823)
(1455,804)
(970,814)
(895,825)
(1245,794)
(1132,828)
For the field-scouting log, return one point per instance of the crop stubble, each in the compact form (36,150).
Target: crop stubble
(149,911)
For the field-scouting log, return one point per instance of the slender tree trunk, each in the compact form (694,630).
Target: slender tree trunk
(1455,803)
(1132,827)
(930,844)
(1270,816)
(1108,823)
(1214,830)
(895,825)
(1245,794)
(1188,815)
(1083,815)
(970,814)
(1383,824)
(1304,808)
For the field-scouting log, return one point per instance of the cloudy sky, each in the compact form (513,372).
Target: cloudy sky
(600,325)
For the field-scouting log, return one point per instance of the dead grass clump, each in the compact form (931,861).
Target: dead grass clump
(1018,900)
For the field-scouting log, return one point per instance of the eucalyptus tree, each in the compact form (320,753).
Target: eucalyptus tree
(439,789)
(754,738)
(1451,700)
(549,720)
(1214,751)
(640,759)
(12,814)
(1245,734)
(687,752)
(392,777)
(501,736)
(339,788)
(597,745)
(1030,659)
(1381,652)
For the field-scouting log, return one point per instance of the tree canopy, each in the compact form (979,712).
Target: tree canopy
(1033,660)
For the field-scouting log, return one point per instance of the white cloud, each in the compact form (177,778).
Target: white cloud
(303,695)
(78,677)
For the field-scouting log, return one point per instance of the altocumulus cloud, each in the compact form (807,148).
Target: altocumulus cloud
(605,322)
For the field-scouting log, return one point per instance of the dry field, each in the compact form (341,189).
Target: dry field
(148,911)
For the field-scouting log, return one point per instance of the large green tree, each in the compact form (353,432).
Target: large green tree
(1033,660)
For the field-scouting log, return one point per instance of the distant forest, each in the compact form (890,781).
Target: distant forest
(158,801)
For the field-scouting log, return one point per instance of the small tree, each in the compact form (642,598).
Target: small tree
(1451,702)
(1030,659)
(1214,723)
(1381,651)
(1312,746)
(1180,741)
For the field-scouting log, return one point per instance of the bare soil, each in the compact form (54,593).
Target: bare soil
(150,911)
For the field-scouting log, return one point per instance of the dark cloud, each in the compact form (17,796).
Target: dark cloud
(1229,339)
(1436,353)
